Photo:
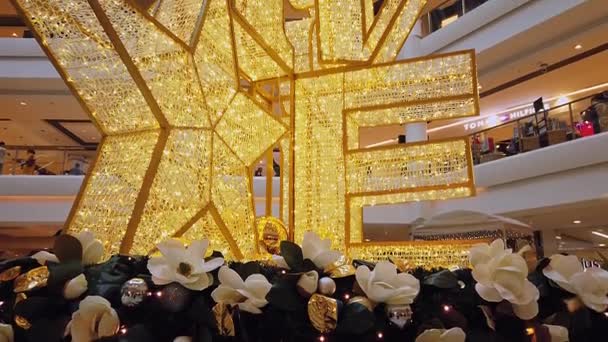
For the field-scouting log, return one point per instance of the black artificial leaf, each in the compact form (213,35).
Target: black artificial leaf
(202,334)
(247,269)
(284,296)
(36,308)
(358,262)
(26,264)
(67,248)
(106,279)
(355,319)
(60,274)
(293,255)
(200,312)
(215,254)
(138,333)
(308,265)
(542,263)
(443,279)
(47,329)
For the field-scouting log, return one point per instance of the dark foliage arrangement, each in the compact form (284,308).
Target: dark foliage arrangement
(447,299)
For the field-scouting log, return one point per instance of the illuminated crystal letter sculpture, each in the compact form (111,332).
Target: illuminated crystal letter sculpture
(189,94)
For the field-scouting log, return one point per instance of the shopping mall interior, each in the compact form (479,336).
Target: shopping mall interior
(538,147)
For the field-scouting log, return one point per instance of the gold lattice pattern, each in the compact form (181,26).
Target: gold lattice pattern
(190,94)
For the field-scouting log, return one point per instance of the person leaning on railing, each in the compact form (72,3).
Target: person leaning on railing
(2,155)
(28,166)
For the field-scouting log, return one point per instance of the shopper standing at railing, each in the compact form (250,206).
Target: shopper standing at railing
(2,155)
(29,165)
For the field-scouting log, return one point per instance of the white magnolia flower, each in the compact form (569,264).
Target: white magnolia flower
(280,261)
(308,283)
(442,335)
(502,275)
(6,333)
(248,295)
(43,257)
(318,251)
(183,339)
(384,285)
(75,287)
(92,250)
(590,285)
(558,333)
(184,265)
(315,249)
(94,319)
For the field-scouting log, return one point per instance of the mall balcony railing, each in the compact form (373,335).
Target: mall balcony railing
(46,160)
(446,13)
(565,122)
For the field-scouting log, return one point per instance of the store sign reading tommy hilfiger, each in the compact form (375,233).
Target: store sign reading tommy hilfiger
(495,120)
(590,263)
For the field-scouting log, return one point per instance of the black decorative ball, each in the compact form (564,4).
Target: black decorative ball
(174,297)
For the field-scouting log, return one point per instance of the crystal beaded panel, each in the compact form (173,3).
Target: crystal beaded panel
(190,94)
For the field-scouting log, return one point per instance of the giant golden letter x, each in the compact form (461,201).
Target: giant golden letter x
(188,95)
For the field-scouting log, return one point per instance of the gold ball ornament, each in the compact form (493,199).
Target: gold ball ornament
(327,286)
(271,231)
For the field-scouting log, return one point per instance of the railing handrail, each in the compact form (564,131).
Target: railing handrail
(51,147)
(530,115)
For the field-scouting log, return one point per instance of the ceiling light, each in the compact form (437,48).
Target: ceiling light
(576,221)
(558,237)
(23,103)
(578,47)
(602,245)
(605,236)
(14,34)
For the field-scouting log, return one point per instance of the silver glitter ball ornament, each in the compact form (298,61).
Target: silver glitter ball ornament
(327,286)
(133,292)
(399,314)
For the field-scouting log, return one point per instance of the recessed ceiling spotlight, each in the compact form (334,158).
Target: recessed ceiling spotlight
(578,47)
(23,103)
(558,237)
(577,221)
(14,34)
(602,245)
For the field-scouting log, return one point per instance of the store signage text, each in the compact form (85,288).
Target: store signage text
(495,120)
